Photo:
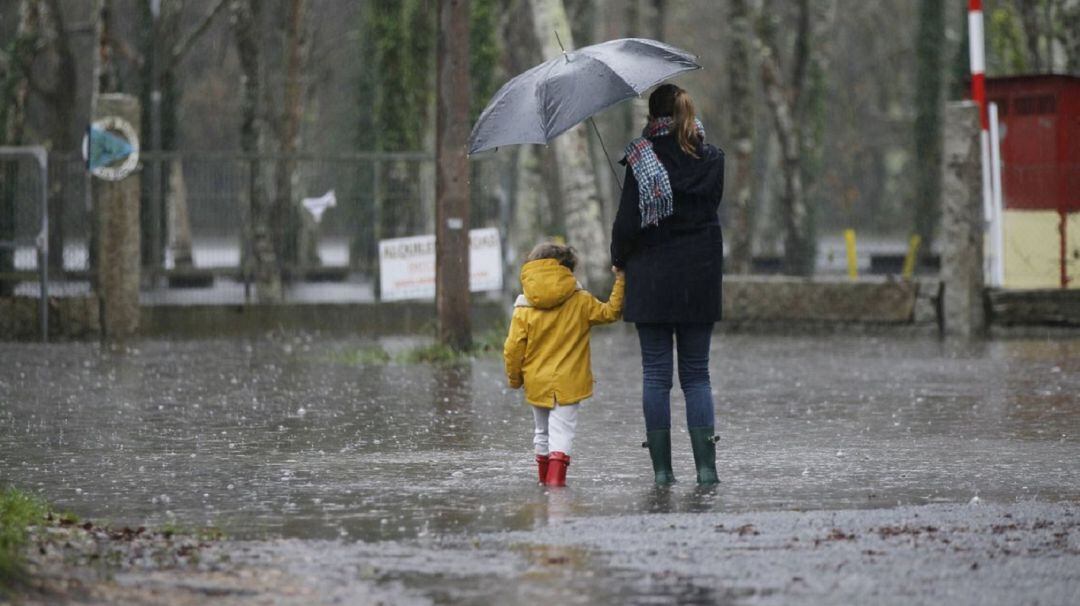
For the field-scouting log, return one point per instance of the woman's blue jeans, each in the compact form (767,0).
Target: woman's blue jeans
(692,342)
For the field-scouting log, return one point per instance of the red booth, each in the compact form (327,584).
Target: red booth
(1039,131)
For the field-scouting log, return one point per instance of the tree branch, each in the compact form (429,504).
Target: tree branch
(184,45)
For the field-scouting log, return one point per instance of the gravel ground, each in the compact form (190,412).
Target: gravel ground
(1023,553)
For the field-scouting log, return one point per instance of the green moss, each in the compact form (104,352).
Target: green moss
(487,343)
(18,511)
(365,356)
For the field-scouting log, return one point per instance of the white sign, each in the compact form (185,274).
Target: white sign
(407,265)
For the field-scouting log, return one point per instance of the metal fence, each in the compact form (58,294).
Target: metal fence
(197,231)
(24,225)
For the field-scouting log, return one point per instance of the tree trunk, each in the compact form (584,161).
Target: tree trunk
(62,104)
(179,225)
(792,203)
(929,54)
(742,120)
(529,195)
(286,216)
(173,45)
(783,100)
(580,198)
(246,31)
(401,107)
(452,175)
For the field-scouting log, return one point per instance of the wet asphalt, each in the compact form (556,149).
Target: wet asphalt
(308,441)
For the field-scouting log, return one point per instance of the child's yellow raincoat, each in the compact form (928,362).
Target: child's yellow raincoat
(547,349)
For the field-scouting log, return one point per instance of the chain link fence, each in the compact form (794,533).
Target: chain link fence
(198,230)
(23,222)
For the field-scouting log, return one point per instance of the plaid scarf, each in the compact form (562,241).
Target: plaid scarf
(654,187)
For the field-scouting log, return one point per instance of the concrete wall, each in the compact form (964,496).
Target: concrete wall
(346,318)
(69,318)
(758,298)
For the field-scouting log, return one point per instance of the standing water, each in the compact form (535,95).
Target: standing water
(298,437)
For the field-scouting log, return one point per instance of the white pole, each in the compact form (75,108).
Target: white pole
(977,53)
(997,236)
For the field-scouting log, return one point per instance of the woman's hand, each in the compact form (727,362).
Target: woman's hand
(619,273)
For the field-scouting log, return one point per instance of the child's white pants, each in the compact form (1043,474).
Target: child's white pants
(554,428)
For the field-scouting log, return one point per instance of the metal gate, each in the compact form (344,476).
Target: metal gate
(24,218)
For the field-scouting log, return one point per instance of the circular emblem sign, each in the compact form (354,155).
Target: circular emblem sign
(111,148)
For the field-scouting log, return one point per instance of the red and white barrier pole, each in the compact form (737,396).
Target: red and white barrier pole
(977,50)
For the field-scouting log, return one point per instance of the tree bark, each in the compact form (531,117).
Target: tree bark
(179,225)
(577,185)
(285,218)
(452,175)
(61,101)
(928,103)
(742,120)
(798,248)
(246,32)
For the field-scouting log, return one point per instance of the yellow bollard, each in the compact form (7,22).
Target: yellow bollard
(909,260)
(852,260)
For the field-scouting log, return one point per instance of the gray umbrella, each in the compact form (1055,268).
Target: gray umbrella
(552,97)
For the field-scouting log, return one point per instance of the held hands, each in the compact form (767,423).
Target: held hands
(619,273)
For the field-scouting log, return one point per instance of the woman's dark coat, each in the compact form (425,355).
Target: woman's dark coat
(674,270)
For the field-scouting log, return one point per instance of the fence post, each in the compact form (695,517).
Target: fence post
(376,229)
(962,223)
(119,259)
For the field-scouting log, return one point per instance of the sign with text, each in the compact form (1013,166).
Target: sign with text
(407,265)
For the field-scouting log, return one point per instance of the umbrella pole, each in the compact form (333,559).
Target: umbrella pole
(614,173)
(611,164)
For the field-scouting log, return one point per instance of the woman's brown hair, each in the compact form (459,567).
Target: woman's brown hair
(670,100)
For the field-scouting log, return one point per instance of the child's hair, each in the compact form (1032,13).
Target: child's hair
(670,100)
(565,255)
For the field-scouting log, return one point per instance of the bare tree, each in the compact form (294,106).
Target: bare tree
(742,121)
(47,68)
(246,25)
(783,96)
(175,43)
(573,164)
(930,59)
(452,181)
(286,215)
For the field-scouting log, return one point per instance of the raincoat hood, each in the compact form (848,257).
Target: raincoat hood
(546,283)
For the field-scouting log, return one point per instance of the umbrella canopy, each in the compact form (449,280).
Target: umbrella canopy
(552,97)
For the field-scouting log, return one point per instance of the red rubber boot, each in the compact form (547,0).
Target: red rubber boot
(557,464)
(542,467)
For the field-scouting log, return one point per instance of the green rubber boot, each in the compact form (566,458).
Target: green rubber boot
(659,444)
(704,444)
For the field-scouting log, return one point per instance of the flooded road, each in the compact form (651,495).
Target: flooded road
(312,437)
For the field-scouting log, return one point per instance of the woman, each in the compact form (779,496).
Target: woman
(667,239)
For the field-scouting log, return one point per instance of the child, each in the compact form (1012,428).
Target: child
(547,350)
